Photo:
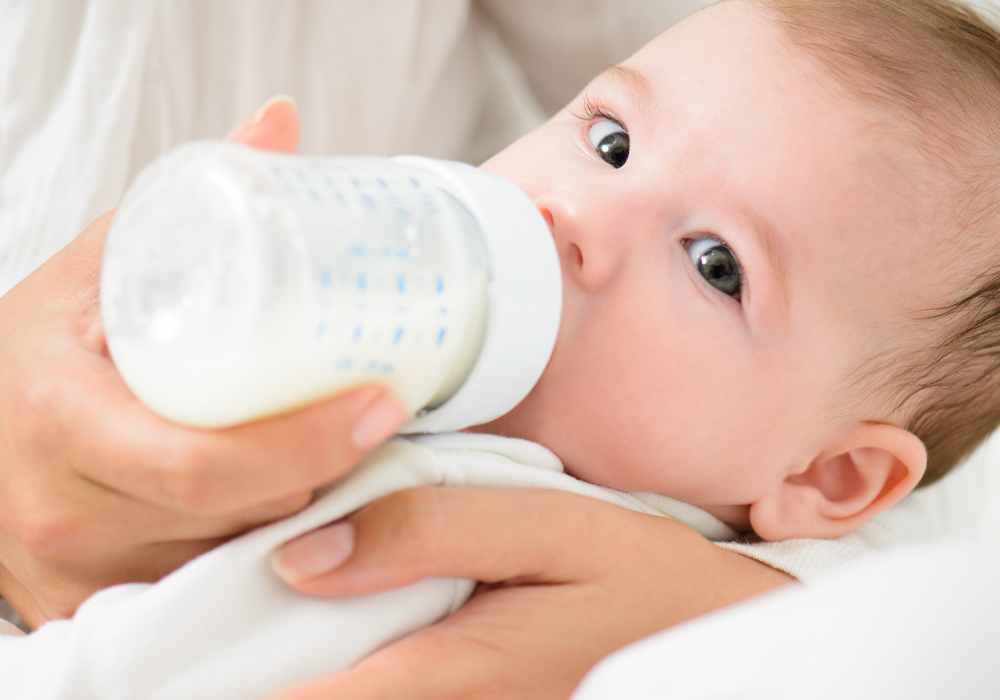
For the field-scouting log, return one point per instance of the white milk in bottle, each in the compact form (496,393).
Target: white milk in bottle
(239,283)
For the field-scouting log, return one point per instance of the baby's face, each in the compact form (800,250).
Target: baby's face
(759,240)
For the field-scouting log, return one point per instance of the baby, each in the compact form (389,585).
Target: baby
(778,226)
(780,307)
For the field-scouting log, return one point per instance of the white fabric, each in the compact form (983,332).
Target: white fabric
(914,624)
(224,626)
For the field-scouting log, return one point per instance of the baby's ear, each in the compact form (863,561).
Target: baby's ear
(862,474)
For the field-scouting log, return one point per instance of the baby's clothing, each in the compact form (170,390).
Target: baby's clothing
(225,626)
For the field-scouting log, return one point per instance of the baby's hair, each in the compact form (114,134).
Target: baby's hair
(935,64)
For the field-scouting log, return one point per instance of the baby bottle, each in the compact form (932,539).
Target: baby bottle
(238,283)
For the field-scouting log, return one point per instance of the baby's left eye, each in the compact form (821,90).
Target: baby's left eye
(717,264)
(610,140)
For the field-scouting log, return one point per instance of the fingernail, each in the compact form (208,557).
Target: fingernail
(314,554)
(381,420)
(258,116)
(243,129)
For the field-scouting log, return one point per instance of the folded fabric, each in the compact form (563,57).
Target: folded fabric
(225,626)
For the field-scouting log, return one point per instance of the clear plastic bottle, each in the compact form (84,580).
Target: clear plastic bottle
(238,284)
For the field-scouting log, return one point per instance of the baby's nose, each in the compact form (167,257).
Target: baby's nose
(587,254)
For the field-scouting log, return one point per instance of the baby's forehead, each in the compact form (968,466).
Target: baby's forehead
(844,185)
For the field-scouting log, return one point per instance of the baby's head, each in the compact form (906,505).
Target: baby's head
(777,227)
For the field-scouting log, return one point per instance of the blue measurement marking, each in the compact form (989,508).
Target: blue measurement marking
(440,336)
(382,183)
(345,364)
(321,329)
(362,282)
(415,182)
(440,285)
(401,283)
(388,369)
(403,254)
(358,250)
(397,336)
(326,278)
(357,333)
(369,202)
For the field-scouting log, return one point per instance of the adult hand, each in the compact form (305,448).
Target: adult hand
(98,490)
(568,580)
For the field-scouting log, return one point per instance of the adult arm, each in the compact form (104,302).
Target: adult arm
(567,579)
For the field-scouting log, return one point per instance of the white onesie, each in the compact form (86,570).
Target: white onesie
(225,626)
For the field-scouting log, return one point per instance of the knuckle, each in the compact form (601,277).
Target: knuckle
(33,414)
(183,478)
(48,536)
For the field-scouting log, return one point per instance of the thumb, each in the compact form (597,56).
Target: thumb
(273,127)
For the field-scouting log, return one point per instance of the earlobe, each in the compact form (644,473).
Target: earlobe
(857,477)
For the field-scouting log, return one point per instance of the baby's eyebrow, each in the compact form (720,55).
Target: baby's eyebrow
(633,83)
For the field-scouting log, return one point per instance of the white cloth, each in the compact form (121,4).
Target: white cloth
(225,627)
(917,623)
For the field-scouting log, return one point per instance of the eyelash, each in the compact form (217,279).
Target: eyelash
(595,109)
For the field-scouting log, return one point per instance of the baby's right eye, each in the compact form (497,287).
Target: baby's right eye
(610,140)
(717,263)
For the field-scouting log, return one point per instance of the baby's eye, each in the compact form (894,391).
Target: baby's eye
(610,140)
(717,264)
